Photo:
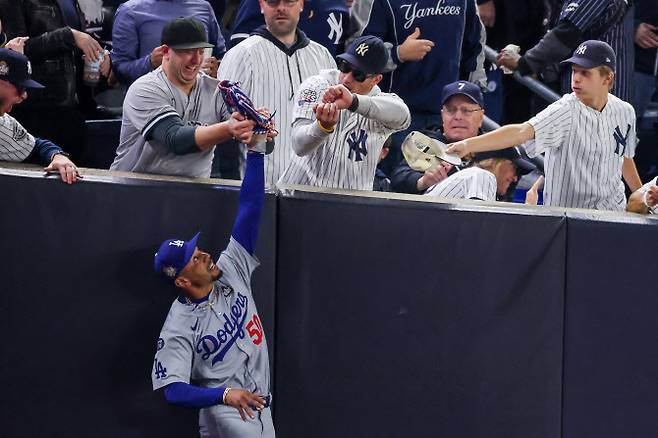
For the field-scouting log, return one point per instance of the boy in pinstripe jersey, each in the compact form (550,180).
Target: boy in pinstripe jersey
(342,119)
(588,137)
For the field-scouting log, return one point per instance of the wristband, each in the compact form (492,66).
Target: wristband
(327,130)
(355,103)
(226,391)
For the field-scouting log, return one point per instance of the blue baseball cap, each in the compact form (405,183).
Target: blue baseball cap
(593,53)
(173,255)
(367,53)
(15,69)
(468,89)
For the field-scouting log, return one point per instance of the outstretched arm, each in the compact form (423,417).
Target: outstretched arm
(252,194)
(196,397)
(503,137)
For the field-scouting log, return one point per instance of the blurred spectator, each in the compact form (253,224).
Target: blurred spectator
(16,44)
(324,21)
(173,116)
(271,65)
(412,29)
(382,182)
(610,21)
(462,116)
(342,119)
(488,179)
(16,144)
(645,199)
(646,53)
(523,23)
(138,29)
(56,48)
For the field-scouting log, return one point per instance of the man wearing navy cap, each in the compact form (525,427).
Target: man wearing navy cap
(588,137)
(16,144)
(341,119)
(212,353)
(462,113)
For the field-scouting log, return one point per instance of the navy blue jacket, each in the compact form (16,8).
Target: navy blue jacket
(453,26)
(646,60)
(323,21)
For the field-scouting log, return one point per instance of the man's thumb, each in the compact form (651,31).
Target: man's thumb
(415,34)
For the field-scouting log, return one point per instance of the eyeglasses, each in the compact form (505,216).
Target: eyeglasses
(277,2)
(358,75)
(451,110)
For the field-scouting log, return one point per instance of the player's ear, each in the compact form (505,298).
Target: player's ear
(377,79)
(182,282)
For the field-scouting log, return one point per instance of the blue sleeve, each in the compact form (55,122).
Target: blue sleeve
(125,48)
(190,396)
(45,149)
(252,194)
(379,23)
(215,35)
(247,19)
(471,45)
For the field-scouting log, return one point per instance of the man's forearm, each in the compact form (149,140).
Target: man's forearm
(206,137)
(630,174)
(252,195)
(307,136)
(503,137)
(390,111)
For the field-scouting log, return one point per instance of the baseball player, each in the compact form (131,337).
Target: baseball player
(174,116)
(491,175)
(270,65)
(212,353)
(16,144)
(588,137)
(342,119)
(645,199)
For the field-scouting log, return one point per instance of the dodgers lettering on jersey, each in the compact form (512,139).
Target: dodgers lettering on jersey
(470,183)
(221,341)
(16,144)
(153,98)
(270,77)
(348,157)
(585,150)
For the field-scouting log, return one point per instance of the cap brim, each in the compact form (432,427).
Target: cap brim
(355,62)
(446,98)
(199,45)
(580,62)
(32,84)
(190,246)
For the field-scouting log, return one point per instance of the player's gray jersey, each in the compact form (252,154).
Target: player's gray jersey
(270,78)
(348,157)
(220,342)
(16,144)
(470,183)
(153,98)
(585,150)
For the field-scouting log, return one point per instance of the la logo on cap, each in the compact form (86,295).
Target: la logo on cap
(362,49)
(169,271)
(4,68)
(581,50)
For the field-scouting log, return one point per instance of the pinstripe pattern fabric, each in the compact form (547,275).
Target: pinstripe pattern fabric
(348,157)
(270,78)
(153,98)
(588,16)
(584,152)
(470,183)
(16,143)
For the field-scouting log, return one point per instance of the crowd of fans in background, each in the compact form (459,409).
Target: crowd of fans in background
(80,50)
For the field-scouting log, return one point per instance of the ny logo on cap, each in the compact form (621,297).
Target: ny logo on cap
(362,49)
(178,243)
(581,50)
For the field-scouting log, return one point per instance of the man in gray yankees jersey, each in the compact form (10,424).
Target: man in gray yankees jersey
(270,66)
(174,116)
(588,137)
(16,144)
(212,353)
(490,176)
(342,119)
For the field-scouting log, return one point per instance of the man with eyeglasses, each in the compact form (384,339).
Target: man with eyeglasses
(16,144)
(342,119)
(270,65)
(462,114)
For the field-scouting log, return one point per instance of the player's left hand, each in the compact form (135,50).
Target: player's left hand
(245,401)
(327,114)
(67,170)
(338,95)
(508,59)
(209,66)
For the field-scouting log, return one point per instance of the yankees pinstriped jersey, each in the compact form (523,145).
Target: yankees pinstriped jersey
(16,143)
(152,98)
(584,149)
(348,157)
(470,183)
(219,342)
(270,74)
(590,17)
